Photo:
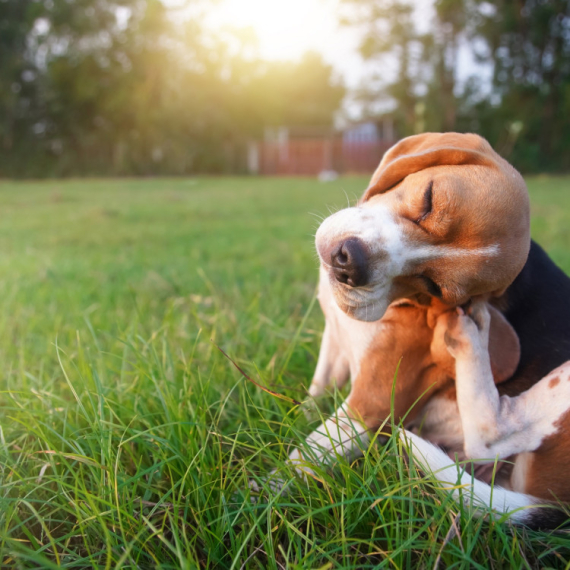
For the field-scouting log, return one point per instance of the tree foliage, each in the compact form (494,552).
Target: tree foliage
(524,111)
(130,87)
(127,87)
(529,44)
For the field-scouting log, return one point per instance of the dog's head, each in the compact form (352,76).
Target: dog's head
(444,215)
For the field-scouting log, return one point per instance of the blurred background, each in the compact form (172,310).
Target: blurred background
(178,87)
(126,439)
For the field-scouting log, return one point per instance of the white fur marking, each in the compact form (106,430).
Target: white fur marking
(475,492)
(502,426)
(339,435)
(426,252)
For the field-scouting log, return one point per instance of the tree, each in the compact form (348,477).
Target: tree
(524,112)
(123,87)
(296,93)
(390,35)
(423,90)
(528,44)
(18,74)
(441,53)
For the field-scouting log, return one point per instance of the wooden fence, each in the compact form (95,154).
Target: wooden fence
(311,156)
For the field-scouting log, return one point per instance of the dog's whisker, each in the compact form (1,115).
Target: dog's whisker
(319,217)
(347,198)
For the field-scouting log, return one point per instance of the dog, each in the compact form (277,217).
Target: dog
(445,220)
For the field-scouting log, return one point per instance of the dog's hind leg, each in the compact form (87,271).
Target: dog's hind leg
(494,425)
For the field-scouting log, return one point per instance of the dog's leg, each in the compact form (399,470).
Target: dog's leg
(496,425)
(332,365)
(339,436)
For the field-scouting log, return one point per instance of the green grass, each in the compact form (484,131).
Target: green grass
(127,440)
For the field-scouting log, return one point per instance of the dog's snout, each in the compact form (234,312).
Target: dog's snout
(349,263)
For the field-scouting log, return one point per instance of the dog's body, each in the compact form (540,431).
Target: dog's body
(446,220)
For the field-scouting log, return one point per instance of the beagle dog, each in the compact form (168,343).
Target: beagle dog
(445,220)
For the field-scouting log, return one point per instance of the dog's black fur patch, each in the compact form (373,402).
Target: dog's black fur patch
(537,305)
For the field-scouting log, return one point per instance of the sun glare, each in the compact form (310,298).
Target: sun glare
(285,29)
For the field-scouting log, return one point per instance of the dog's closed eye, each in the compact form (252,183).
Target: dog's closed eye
(432,287)
(427,204)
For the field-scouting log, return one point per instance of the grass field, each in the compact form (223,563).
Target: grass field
(127,440)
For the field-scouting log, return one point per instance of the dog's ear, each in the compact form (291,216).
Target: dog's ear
(504,347)
(418,152)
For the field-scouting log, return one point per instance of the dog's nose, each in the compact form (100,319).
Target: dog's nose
(349,263)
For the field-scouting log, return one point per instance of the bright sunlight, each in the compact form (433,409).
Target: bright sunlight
(285,29)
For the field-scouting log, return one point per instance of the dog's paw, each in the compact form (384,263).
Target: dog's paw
(467,330)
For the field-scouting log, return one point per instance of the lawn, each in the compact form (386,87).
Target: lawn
(127,440)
